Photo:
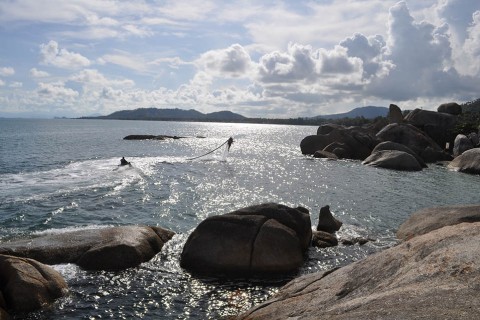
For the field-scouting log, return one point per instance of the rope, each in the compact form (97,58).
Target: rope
(229,141)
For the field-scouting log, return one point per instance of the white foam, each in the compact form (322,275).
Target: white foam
(55,231)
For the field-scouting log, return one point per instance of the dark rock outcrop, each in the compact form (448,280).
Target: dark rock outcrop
(29,285)
(322,239)
(264,240)
(462,143)
(149,137)
(429,219)
(355,142)
(452,108)
(432,276)
(327,222)
(325,155)
(394,114)
(389,145)
(113,248)
(415,139)
(439,126)
(468,162)
(393,159)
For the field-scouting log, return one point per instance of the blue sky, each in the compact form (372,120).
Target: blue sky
(260,59)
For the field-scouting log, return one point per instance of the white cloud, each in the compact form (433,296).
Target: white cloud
(421,56)
(94,77)
(470,65)
(233,61)
(2,83)
(56,91)
(15,84)
(126,60)
(35,73)
(61,58)
(7,71)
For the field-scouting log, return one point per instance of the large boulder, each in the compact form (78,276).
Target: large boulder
(393,159)
(327,222)
(415,139)
(264,240)
(452,108)
(394,114)
(29,285)
(432,276)
(429,219)
(462,143)
(439,126)
(468,162)
(357,142)
(390,145)
(113,248)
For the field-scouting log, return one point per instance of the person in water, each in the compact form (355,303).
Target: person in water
(123,162)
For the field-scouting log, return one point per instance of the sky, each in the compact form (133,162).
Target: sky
(270,59)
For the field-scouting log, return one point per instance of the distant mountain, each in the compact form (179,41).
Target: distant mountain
(369,112)
(170,114)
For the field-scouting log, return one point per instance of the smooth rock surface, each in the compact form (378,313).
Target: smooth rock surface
(113,248)
(29,285)
(468,162)
(431,276)
(393,159)
(415,139)
(394,114)
(450,108)
(390,145)
(265,240)
(462,143)
(429,219)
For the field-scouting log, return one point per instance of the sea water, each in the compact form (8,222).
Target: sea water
(62,175)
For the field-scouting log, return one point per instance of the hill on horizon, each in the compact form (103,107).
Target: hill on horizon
(169,114)
(368,112)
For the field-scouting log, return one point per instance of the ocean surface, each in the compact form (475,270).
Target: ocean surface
(62,175)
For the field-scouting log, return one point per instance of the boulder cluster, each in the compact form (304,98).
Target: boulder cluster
(433,273)
(27,283)
(402,143)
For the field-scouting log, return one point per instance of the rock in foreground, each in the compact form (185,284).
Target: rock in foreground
(265,240)
(29,285)
(429,219)
(114,248)
(432,276)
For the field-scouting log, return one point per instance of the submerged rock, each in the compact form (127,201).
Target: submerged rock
(28,285)
(264,240)
(95,249)
(431,276)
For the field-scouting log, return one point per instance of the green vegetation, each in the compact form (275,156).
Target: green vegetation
(469,120)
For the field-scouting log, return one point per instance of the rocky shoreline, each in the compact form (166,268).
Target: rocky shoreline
(405,143)
(433,273)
